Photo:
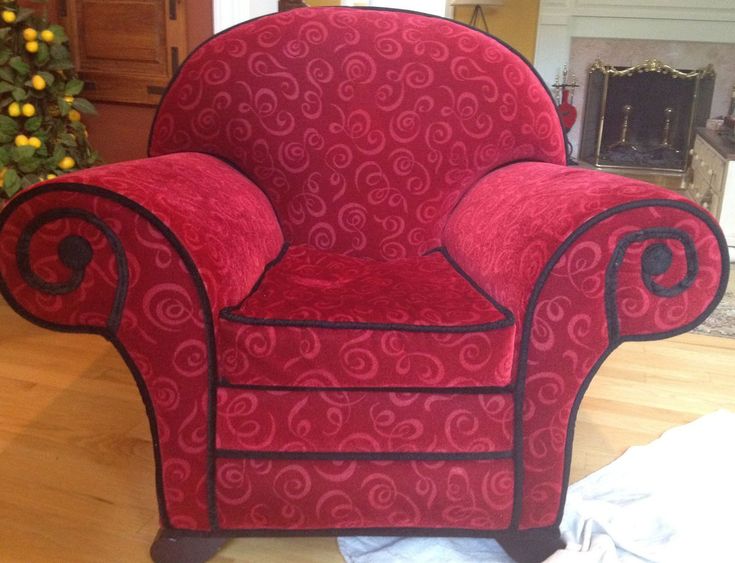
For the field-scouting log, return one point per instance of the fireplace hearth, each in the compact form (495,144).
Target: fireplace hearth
(644,116)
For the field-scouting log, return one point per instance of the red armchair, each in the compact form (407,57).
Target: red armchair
(357,285)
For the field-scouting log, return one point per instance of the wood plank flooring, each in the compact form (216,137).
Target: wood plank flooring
(76,467)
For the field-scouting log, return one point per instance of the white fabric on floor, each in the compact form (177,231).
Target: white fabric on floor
(671,501)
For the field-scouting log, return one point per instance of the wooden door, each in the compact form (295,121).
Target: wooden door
(125,50)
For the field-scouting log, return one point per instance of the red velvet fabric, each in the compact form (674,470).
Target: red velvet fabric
(359,421)
(380,305)
(363,127)
(268,494)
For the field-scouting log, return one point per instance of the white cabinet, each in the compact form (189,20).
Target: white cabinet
(712,180)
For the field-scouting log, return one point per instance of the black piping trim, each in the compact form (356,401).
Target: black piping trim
(339,325)
(611,274)
(513,50)
(362,389)
(519,394)
(331,532)
(228,313)
(364,456)
(281,254)
(23,257)
(208,323)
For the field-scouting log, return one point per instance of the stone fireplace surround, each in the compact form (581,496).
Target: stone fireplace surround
(630,52)
(680,33)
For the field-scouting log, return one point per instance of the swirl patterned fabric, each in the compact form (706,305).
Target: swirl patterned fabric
(375,494)
(320,319)
(372,421)
(413,359)
(363,127)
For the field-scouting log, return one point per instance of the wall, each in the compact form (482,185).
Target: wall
(515,23)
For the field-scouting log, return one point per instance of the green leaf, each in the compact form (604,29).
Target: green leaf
(57,155)
(4,155)
(19,65)
(8,125)
(5,55)
(6,74)
(68,140)
(47,76)
(59,33)
(33,124)
(4,32)
(64,106)
(11,182)
(59,52)
(84,105)
(23,14)
(18,154)
(43,55)
(28,165)
(60,65)
(73,87)
(5,87)
(19,94)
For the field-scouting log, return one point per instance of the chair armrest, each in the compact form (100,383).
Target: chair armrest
(585,261)
(145,253)
(209,212)
(510,226)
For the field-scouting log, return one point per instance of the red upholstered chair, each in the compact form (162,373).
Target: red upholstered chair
(357,284)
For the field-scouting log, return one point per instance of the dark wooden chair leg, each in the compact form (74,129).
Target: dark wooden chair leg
(171,547)
(532,546)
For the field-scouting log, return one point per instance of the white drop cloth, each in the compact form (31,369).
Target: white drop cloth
(671,501)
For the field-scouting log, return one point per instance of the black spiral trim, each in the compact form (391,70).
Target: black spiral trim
(656,260)
(75,253)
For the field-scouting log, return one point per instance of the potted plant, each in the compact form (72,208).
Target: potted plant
(41,130)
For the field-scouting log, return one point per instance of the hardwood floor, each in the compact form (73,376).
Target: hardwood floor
(76,467)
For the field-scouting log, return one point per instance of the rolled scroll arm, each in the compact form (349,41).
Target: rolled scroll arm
(145,253)
(587,260)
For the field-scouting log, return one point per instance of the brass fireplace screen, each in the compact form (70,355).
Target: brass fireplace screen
(644,116)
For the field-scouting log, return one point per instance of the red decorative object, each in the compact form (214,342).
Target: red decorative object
(358,286)
(564,88)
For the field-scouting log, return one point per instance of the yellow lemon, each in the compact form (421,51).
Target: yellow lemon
(74,115)
(38,82)
(21,140)
(14,109)
(66,163)
(35,142)
(50,176)
(32,46)
(29,110)
(30,34)
(8,16)
(47,35)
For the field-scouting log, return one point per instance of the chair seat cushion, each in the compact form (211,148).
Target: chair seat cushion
(326,320)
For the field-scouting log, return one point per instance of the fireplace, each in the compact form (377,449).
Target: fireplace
(644,116)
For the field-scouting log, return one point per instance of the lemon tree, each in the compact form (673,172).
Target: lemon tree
(42,131)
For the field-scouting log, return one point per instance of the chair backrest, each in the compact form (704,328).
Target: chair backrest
(362,126)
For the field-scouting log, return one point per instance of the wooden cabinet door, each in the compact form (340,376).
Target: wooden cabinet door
(125,50)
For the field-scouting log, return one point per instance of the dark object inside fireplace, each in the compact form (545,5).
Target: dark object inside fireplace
(644,116)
